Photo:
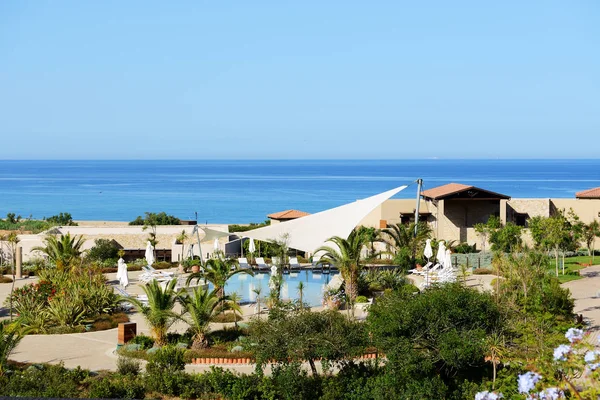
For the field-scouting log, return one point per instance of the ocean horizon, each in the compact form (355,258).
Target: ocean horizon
(242,191)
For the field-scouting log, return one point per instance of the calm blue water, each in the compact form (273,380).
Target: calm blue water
(245,191)
(314,284)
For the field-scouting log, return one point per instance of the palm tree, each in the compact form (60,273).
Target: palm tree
(346,257)
(233,304)
(62,251)
(10,336)
(218,271)
(181,238)
(301,293)
(159,312)
(201,306)
(590,232)
(399,236)
(258,292)
(372,236)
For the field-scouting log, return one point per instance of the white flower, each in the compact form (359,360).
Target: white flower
(527,381)
(551,394)
(560,353)
(574,334)
(590,357)
(485,395)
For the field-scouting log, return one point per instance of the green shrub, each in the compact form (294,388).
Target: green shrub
(160,218)
(117,387)
(104,250)
(144,341)
(44,381)
(465,248)
(167,359)
(482,271)
(128,366)
(361,299)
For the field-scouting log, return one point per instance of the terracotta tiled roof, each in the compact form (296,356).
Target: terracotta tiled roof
(445,190)
(288,214)
(589,194)
(453,188)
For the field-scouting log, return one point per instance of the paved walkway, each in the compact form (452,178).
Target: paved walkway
(586,293)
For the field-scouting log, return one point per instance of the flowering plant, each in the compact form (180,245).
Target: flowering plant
(576,361)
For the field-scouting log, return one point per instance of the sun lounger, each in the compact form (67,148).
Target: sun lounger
(142,298)
(261,264)
(424,269)
(243,262)
(294,264)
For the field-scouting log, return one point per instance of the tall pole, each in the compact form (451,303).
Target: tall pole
(199,245)
(419,186)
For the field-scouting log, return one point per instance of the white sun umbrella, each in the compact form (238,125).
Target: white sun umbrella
(216,244)
(149,254)
(251,247)
(448,259)
(441,253)
(124,280)
(120,268)
(428,253)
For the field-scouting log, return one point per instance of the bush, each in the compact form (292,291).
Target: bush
(5,279)
(117,387)
(144,341)
(62,219)
(160,218)
(104,250)
(43,381)
(465,248)
(128,366)
(482,271)
(226,317)
(361,299)
(167,359)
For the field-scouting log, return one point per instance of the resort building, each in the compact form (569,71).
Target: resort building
(286,215)
(452,210)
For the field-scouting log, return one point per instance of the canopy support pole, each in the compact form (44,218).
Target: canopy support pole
(419,186)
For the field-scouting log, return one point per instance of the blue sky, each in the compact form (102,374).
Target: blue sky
(306,79)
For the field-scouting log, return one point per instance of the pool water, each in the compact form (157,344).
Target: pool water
(314,284)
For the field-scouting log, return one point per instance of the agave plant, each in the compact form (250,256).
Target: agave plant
(200,308)
(159,312)
(63,251)
(10,336)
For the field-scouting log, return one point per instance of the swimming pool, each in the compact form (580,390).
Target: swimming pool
(314,283)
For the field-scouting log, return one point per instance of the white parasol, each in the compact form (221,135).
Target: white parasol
(448,259)
(428,253)
(441,253)
(124,280)
(149,254)
(251,247)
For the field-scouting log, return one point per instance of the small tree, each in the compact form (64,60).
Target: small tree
(181,238)
(590,232)
(13,242)
(306,336)
(301,293)
(200,308)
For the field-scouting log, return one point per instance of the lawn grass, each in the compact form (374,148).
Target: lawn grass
(572,267)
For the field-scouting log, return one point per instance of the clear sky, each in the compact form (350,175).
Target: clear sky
(302,79)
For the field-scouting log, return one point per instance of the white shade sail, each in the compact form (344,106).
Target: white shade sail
(312,231)
(211,234)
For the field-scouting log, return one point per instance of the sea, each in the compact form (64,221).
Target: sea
(243,191)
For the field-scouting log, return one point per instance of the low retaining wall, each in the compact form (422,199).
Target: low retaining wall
(235,361)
